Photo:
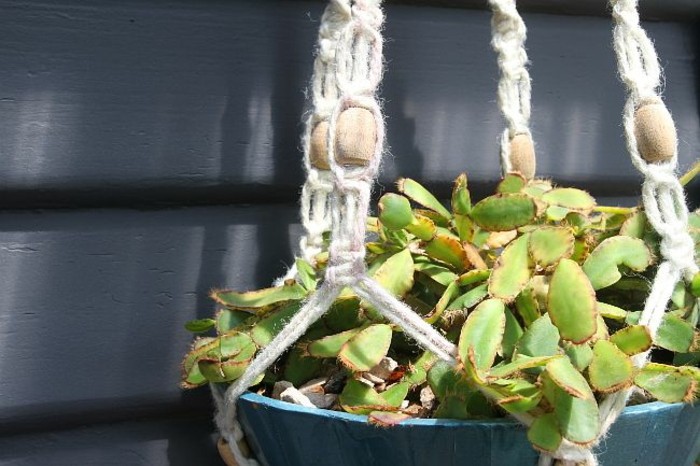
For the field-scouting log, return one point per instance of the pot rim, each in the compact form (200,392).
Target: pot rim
(254,399)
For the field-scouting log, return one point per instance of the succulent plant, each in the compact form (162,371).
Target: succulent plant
(539,288)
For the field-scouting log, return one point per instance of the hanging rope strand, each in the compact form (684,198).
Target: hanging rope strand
(652,145)
(514,89)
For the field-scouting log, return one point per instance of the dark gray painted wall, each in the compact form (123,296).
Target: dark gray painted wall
(121,113)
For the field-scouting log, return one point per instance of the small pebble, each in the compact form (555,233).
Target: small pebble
(384,369)
(279,387)
(292,395)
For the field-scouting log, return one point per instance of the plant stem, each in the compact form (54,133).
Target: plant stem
(690,174)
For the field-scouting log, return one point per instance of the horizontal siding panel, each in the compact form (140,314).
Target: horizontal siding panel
(163,442)
(93,303)
(152,103)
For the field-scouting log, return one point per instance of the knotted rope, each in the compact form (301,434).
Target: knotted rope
(514,89)
(662,193)
(352,29)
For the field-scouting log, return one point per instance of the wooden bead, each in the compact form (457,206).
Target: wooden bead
(356,137)
(225,451)
(655,132)
(522,155)
(318,153)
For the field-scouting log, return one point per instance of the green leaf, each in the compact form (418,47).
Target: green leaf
(667,383)
(452,407)
(448,250)
(611,369)
(200,325)
(540,339)
(232,344)
(191,376)
(633,339)
(695,285)
(395,275)
(565,375)
(512,334)
(527,306)
(520,363)
(602,264)
(471,298)
(483,333)
(512,270)
(228,319)
(634,226)
(329,346)
(395,211)
(358,398)
(422,196)
(571,303)
(261,298)
(444,381)
(300,368)
(436,272)
(511,183)
(675,334)
(544,433)
(570,198)
(395,394)
(612,312)
(422,227)
(556,213)
(550,244)
(364,350)
(306,274)
(473,276)
(264,331)
(504,212)
(461,200)
(578,418)
(218,370)
(516,396)
(418,371)
(579,355)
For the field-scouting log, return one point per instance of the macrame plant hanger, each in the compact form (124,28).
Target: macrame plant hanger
(343,145)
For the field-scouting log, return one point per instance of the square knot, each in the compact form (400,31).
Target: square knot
(345,268)
(679,250)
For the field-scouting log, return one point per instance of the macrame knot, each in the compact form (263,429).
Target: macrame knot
(679,250)
(346,268)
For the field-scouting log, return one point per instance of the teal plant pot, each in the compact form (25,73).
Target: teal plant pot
(283,434)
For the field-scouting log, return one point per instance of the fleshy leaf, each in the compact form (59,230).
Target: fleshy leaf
(300,368)
(667,383)
(544,433)
(306,274)
(675,334)
(470,299)
(520,363)
(422,196)
(448,250)
(512,270)
(632,339)
(440,274)
(570,198)
(395,211)
(612,312)
(395,275)
(461,200)
(602,264)
(504,212)
(511,183)
(395,394)
(549,244)
(565,375)
(364,351)
(512,334)
(200,325)
(217,370)
(358,398)
(571,303)
(611,369)
(540,339)
(579,355)
(578,418)
(264,331)
(483,332)
(329,346)
(260,298)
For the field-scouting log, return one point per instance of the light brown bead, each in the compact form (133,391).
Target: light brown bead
(356,137)
(318,152)
(522,155)
(655,132)
(225,451)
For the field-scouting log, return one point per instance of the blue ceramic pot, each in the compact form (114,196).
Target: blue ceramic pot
(283,434)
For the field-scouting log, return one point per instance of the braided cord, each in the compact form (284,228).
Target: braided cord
(508,34)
